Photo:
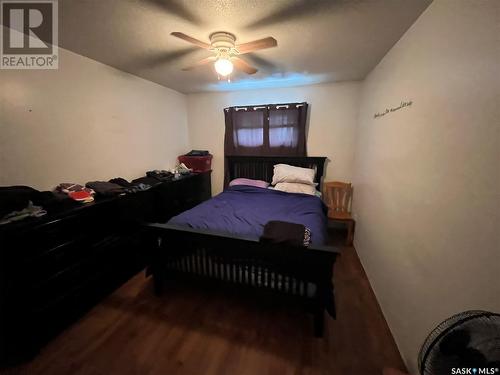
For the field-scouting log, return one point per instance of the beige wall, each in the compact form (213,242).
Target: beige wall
(86,121)
(332,108)
(427,177)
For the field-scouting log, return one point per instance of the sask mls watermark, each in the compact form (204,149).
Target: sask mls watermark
(29,36)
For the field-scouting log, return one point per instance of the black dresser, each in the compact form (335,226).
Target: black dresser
(55,268)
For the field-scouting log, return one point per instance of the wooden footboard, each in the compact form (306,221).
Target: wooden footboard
(306,273)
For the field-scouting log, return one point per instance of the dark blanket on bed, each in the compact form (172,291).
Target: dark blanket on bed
(245,210)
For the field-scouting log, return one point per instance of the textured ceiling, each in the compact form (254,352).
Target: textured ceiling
(318,40)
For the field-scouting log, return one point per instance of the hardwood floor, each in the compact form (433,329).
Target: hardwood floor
(195,331)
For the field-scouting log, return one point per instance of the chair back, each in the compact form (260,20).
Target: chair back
(338,197)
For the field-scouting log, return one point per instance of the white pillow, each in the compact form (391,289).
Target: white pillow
(293,187)
(288,173)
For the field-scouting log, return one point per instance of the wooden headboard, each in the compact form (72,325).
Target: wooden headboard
(262,167)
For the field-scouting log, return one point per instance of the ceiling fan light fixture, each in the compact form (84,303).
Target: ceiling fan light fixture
(226,52)
(223,66)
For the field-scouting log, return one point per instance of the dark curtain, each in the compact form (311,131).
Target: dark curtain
(266,130)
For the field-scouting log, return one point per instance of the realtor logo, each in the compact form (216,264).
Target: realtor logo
(29,36)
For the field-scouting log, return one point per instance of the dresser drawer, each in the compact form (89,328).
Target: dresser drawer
(49,319)
(53,261)
(55,234)
(47,264)
(98,258)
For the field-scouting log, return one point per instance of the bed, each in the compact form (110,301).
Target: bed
(218,240)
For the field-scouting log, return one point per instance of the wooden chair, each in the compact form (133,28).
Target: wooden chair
(338,197)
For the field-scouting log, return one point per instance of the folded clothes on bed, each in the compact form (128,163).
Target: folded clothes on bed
(282,232)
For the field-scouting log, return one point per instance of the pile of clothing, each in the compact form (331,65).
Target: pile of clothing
(16,203)
(160,175)
(150,181)
(153,178)
(111,188)
(130,187)
(20,202)
(76,192)
(29,211)
(116,186)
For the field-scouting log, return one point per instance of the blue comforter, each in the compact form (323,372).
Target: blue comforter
(244,210)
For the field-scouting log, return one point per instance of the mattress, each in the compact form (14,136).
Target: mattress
(245,210)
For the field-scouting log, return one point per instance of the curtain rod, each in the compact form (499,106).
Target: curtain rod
(266,106)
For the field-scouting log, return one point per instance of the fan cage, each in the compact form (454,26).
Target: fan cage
(444,328)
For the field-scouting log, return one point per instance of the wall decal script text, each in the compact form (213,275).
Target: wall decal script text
(394,109)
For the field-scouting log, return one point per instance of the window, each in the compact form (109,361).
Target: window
(249,129)
(283,128)
(268,130)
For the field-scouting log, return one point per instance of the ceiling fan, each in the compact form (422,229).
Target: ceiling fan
(226,52)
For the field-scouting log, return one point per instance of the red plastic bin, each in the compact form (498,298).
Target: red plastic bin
(197,163)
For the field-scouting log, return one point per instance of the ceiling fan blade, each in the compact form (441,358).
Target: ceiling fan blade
(201,62)
(243,65)
(262,63)
(291,10)
(192,40)
(152,60)
(257,44)
(175,7)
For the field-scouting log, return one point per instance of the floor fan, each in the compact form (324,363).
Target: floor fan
(466,343)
